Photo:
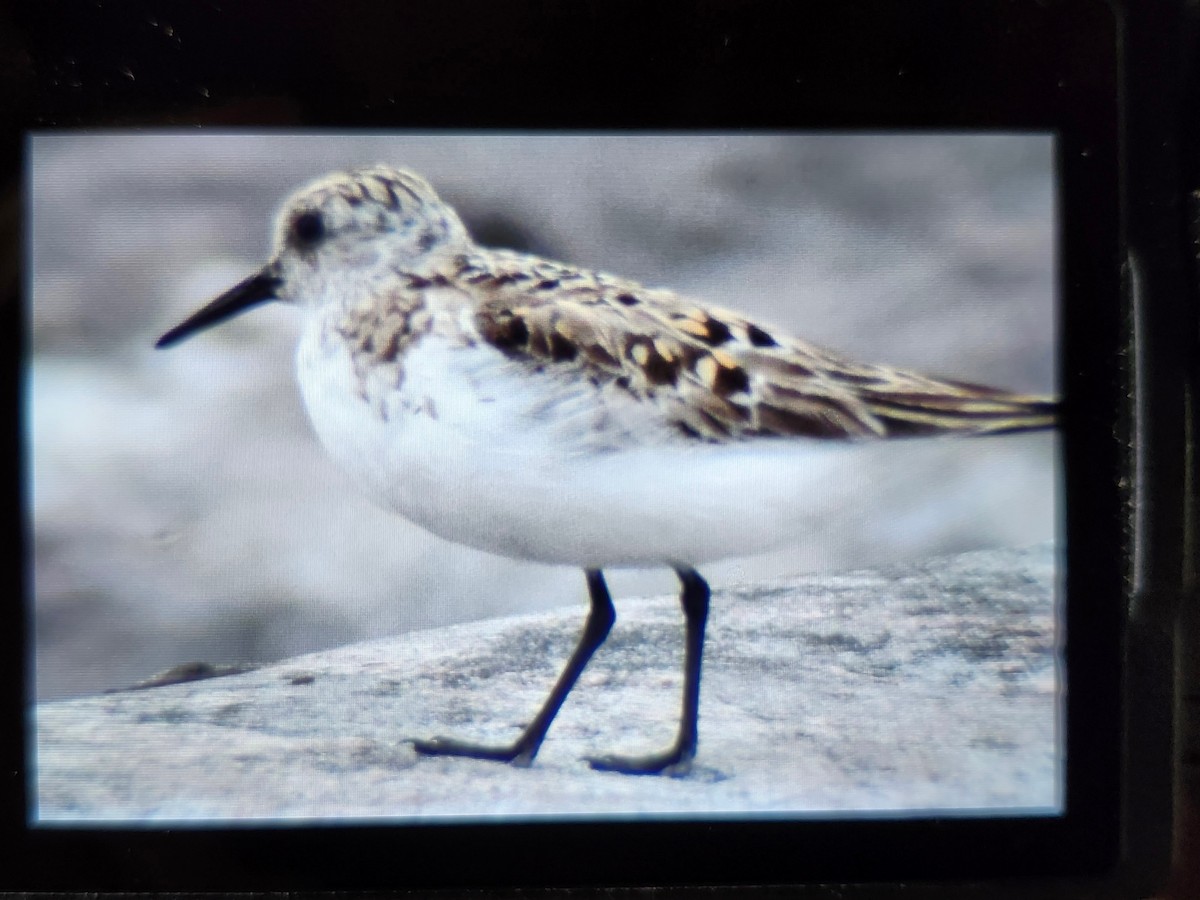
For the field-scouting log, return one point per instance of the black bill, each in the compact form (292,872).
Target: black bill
(254,290)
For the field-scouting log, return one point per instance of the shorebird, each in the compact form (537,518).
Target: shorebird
(546,412)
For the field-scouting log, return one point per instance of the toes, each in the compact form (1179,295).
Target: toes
(429,746)
(672,764)
(446,746)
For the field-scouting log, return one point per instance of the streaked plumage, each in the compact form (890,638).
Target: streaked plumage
(714,373)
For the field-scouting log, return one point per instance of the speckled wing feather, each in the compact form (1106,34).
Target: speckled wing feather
(714,374)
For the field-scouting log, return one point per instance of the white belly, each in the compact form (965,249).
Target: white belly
(477,451)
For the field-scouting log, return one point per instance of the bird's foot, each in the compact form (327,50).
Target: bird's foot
(445,746)
(675,762)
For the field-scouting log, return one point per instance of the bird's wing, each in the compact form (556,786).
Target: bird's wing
(715,374)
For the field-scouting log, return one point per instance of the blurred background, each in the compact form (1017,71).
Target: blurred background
(182,509)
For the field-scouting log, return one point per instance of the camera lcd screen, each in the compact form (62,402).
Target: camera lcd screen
(466,386)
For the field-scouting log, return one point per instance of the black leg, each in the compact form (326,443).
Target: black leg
(676,759)
(522,751)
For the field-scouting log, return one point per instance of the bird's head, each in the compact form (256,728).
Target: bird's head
(336,236)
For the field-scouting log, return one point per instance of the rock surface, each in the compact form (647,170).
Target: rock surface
(928,686)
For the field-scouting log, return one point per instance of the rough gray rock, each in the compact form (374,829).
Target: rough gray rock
(925,686)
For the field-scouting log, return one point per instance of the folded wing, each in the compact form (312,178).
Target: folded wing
(714,374)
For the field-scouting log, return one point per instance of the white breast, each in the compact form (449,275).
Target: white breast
(480,451)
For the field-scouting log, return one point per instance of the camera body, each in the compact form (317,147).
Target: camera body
(1100,88)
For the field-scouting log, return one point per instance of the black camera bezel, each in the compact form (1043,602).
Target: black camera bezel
(1071,68)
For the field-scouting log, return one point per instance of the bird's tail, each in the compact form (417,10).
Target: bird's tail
(927,406)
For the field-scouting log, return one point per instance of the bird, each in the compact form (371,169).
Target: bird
(547,412)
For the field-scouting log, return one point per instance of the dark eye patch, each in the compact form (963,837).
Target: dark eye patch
(308,228)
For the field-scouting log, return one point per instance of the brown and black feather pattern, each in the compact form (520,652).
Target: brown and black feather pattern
(716,375)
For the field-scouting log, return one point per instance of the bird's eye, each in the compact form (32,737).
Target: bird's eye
(308,228)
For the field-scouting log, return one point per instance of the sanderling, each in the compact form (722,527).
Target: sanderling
(550,413)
